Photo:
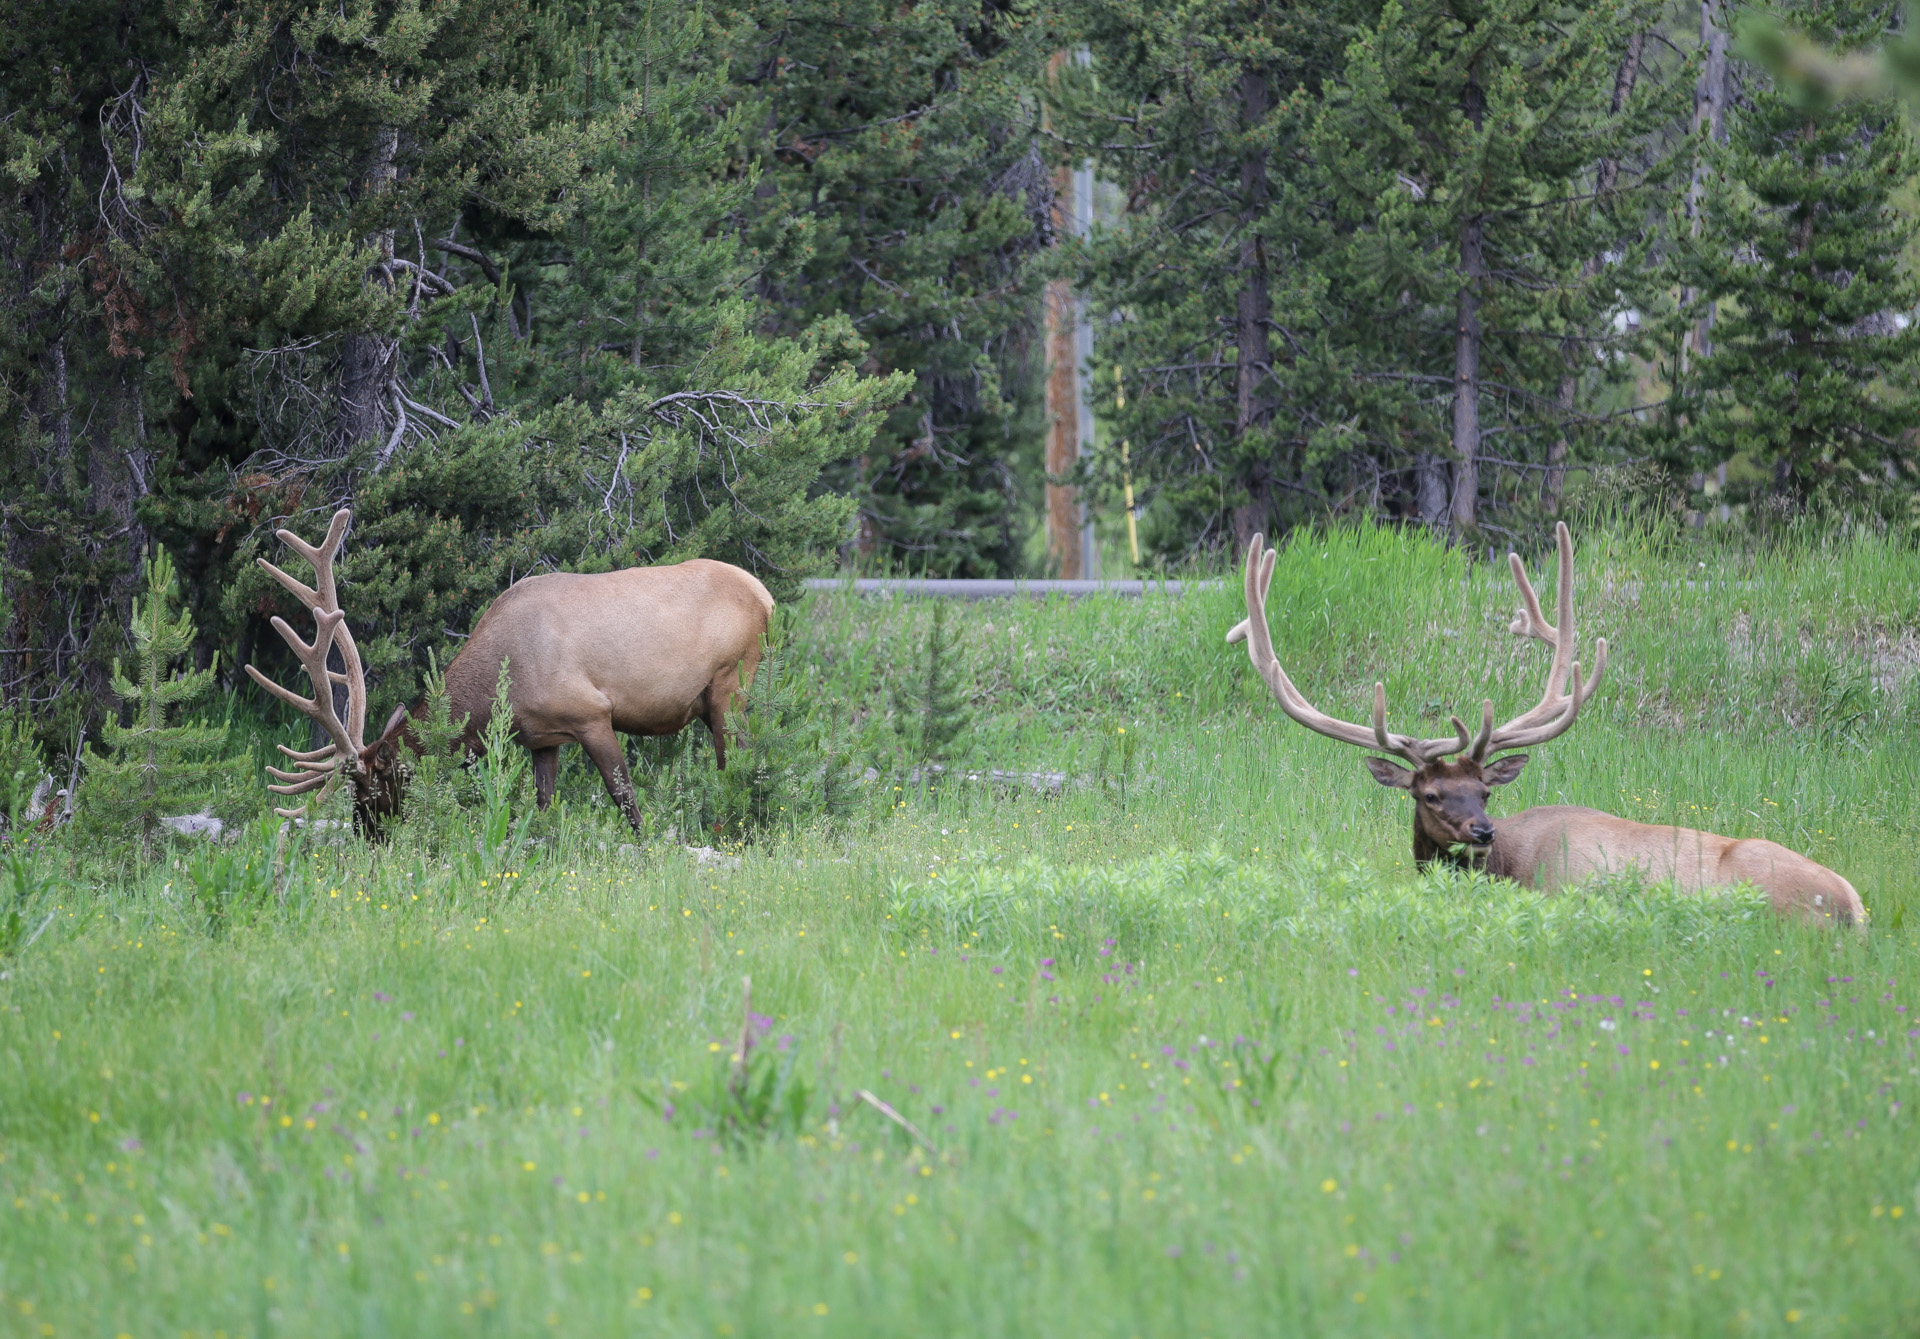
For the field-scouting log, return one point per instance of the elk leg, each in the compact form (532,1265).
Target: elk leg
(603,746)
(546,771)
(718,698)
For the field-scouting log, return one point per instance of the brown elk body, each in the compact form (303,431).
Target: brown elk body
(642,651)
(1550,846)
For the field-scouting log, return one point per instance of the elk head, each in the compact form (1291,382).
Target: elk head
(1449,778)
(372,771)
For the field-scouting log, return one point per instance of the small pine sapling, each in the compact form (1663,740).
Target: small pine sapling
(931,708)
(156,768)
(436,778)
(763,788)
(837,790)
(499,772)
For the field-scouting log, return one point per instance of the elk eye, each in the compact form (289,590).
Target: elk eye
(1433,797)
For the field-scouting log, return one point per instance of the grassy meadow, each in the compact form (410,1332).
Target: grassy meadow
(1182,1048)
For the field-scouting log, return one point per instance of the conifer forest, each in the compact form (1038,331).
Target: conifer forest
(582,285)
(1027,965)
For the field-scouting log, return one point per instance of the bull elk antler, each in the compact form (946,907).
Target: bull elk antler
(1556,711)
(318,768)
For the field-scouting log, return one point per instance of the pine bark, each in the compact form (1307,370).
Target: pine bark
(1466,353)
(1430,488)
(369,360)
(57,416)
(1710,116)
(1466,347)
(1063,429)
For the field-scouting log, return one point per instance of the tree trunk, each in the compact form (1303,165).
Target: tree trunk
(119,468)
(1255,309)
(56,418)
(1064,516)
(1466,349)
(1430,488)
(370,361)
(636,352)
(1787,470)
(1554,487)
(1624,78)
(1709,115)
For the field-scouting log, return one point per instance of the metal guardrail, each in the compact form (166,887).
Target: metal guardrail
(983,588)
(961,588)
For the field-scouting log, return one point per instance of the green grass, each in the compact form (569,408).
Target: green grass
(388,1100)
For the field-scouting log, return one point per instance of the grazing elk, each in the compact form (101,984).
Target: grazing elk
(1553,845)
(641,652)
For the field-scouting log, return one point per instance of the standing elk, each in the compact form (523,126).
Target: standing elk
(1553,845)
(641,651)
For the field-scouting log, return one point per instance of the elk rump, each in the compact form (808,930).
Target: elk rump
(590,657)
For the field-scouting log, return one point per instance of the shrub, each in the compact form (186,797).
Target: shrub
(156,768)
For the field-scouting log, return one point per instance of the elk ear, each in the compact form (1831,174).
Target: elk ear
(399,715)
(1390,774)
(1502,770)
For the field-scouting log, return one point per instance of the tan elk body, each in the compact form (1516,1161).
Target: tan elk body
(1551,846)
(642,651)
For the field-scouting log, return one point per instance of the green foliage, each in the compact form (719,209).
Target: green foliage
(482,279)
(472,810)
(789,755)
(1322,203)
(1810,380)
(30,885)
(1202,123)
(749,1093)
(1119,750)
(233,884)
(1224,1034)
(1035,906)
(761,789)
(437,781)
(1279,989)
(22,767)
(1491,191)
(930,707)
(903,183)
(159,769)
(500,774)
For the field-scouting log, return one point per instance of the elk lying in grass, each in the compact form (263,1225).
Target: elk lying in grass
(1553,845)
(641,651)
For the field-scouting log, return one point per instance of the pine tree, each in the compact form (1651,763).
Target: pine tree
(474,266)
(1473,157)
(1206,296)
(651,254)
(901,183)
(157,768)
(1809,385)
(930,707)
